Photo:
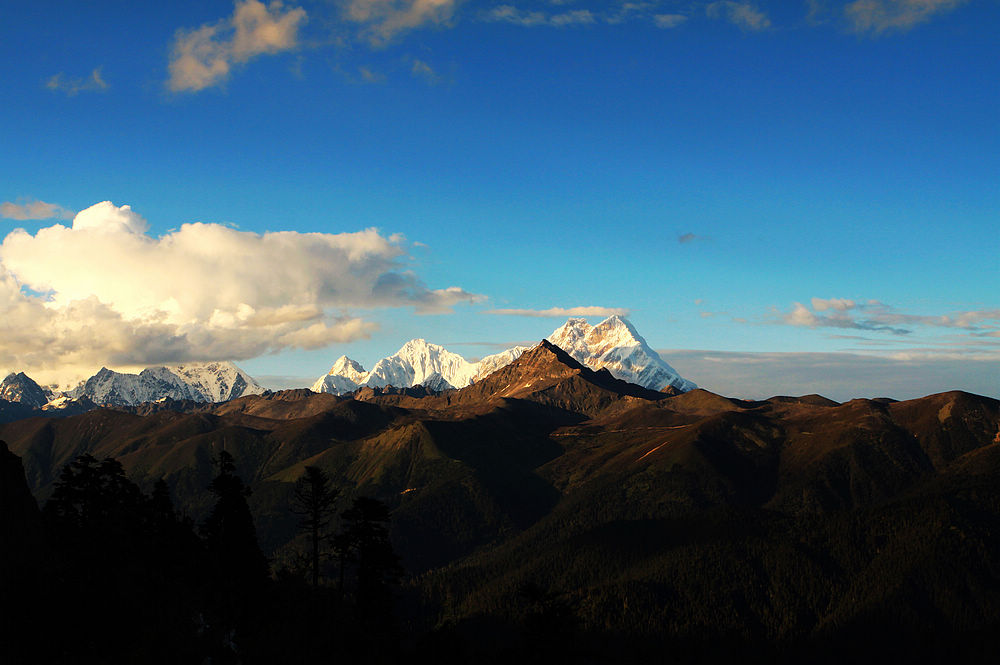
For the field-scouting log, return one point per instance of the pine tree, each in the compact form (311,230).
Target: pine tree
(314,500)
(229,530)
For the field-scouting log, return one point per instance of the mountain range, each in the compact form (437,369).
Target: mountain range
(689,523)
(614,344)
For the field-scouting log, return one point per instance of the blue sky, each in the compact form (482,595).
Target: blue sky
(769,178)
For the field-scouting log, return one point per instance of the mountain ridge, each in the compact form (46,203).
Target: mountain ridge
(614,344)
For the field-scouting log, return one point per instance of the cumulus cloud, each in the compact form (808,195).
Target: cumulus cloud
(876,16)
(381,20)
(560,312)
(104,291)
(74,86)
(879,317)
(204,57)
(742,14)
(26,210)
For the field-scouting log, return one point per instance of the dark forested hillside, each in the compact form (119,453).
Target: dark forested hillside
(549,509)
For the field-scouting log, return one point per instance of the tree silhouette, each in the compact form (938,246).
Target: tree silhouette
(229,531)
(314,501)
(96,498)
(123,559)
(237,568)
(366,540)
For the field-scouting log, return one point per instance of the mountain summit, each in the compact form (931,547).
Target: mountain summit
(417,363)
(614,344)
(200,382)
(21,389)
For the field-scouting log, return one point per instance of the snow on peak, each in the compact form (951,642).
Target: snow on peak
(201,382)
(418,362)
(347,367)
(22,389)
(613,344)
(616,345)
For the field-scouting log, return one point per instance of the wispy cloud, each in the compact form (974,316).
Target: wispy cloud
(110,293)
(382,20)
(837,375)
(511,14)
(560,312)
(370,75)
(742,14)
(668,20)
(26,210)
(204,57)
(875,316)
(877,16)
(74,86)
(421,69)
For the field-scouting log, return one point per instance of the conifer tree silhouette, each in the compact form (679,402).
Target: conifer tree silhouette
(366,540)
(314,500)
(229,530)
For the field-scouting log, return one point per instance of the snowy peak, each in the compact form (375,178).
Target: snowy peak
(216,381)
(490,364)
(22,389)
(345,375)
(200,382)
(417,363)
(346,367)
(614,344)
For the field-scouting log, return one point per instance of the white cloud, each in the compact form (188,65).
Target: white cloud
(575,17)
(421,69)
(74,86)
(204,57)
(840,304)
(742,14)
(559,312)
(668,20)
(113,294)
(510,14)
(33,210)
(877,16)
(384,19)
(839,376)
(879,317)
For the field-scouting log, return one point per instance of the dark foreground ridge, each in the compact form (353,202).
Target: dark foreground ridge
(547,513)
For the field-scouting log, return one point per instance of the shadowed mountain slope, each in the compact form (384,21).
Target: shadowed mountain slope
(796,521)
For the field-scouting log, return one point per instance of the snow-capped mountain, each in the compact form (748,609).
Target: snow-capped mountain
(345,375)
(418,363)
(614,344)
(201,382)
(22,389)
